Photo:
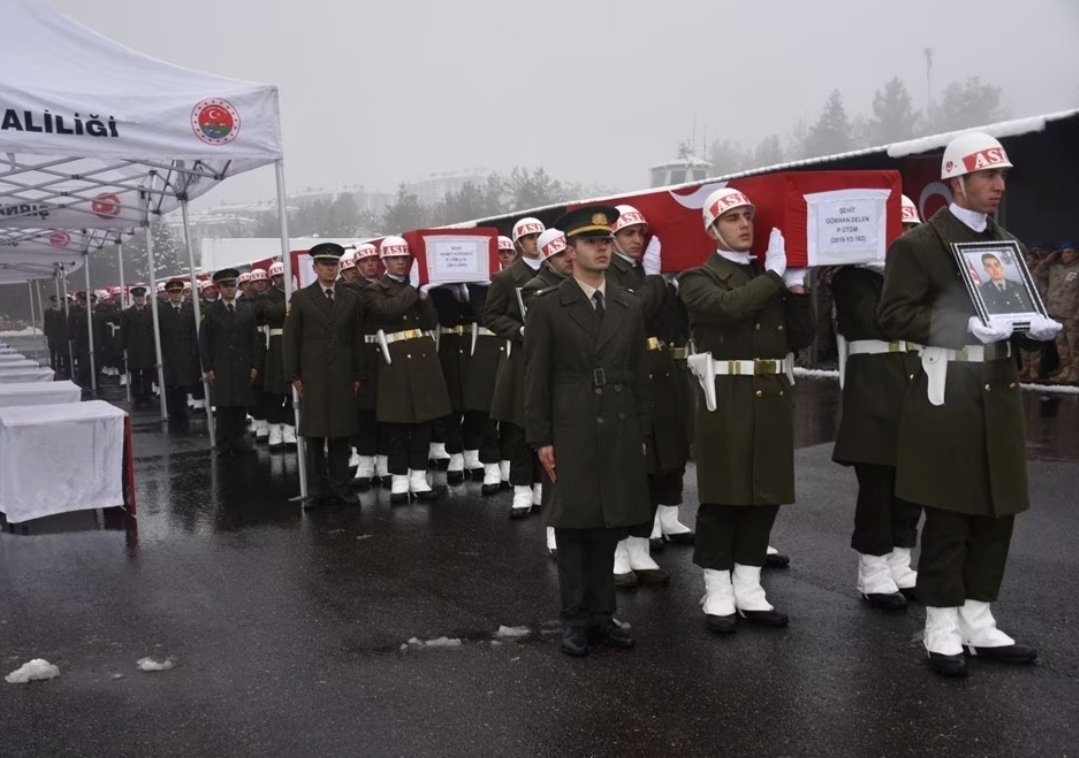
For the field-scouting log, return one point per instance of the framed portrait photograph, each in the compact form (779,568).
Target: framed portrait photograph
(998,281)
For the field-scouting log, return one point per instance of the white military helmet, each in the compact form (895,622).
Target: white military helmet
(551,242)
(505,243)
(366,250)
(910,211)
(277,268)
(628,216)
(348,260)
(721,201)
(393,246)
(243,278)
(527,225)
(160,287)
(970,152)
(258,275)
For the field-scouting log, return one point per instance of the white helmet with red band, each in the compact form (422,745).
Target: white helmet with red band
(243,278)
(970,152)
(527,225)
(277,268)
(505,243)
(258,275)
(910,211)
(628,216)
(721,201)
(392,246)
(348,260)
(551,242)
(366,250)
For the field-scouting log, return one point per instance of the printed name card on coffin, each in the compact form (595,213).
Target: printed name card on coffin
(828,218)
(454,256)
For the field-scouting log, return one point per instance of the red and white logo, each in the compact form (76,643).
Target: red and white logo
(531,228)
(215,121)
(630,218)
(554,247)
(391,250)
(910,215)
(725,203)
(106,205)
(983,159)
(59,239)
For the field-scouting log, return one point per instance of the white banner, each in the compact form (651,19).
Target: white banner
(845,227)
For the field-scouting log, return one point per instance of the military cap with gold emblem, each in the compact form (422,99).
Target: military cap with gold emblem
(226,276)
(176,284)
(326,252)
(589,221)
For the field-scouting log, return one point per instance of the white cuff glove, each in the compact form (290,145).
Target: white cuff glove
(775,257)
(1044,329)
(994,332)
(795,277)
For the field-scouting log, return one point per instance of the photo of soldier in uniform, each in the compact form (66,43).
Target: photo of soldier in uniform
(998,280)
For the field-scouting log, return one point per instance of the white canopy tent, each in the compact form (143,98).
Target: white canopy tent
(96,136)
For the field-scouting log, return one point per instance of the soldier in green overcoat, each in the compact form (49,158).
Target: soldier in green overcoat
(746,321)
(230,352)
(370,456)
(411,389)
(503,316)
(483,460)
(586,415)
(272,308)
(961,442)
(323,362)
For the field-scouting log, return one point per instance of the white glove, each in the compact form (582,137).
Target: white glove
(995,332)
(424,289)
(795,277)
(775,257)
(1044,329)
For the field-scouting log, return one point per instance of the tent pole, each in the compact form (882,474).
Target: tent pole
(41,310)
(286,261)
(33,318)
(67,321)
(120,267)
(198,316)
(90,321)
(153,314)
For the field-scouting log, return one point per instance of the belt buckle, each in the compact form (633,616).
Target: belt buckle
(599,378)
(764,366)
(897,347)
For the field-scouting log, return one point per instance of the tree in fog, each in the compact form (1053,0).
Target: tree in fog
(894,117)
(404,213)
(832,132)
(967,104)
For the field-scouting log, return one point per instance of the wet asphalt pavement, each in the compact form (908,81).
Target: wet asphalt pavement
(287,628)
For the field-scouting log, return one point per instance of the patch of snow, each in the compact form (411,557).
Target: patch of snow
(27,332)
(150,665)
(37,670)
(513,632)
(437,642)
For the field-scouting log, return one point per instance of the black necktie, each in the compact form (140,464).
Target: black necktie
(329,296)
(229,306)
(597,296)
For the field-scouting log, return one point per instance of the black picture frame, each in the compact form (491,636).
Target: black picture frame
(1015,305)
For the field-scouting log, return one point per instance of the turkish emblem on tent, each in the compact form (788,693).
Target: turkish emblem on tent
(215,121)
(59,239)
(106,205)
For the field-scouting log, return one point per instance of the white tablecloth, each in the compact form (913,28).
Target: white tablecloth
(60,458)
(31,374)
(39,393)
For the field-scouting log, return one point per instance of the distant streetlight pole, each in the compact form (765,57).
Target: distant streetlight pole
(928,81)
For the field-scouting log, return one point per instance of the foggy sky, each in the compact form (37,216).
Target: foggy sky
(383,92)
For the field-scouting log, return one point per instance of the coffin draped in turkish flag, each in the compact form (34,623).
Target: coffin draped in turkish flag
(454,256)
(828,218)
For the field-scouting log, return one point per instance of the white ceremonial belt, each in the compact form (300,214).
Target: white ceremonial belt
(935,362)
(370,339)
(755,367)
(876,347)
(276,332)
(483,331)
(407,334)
